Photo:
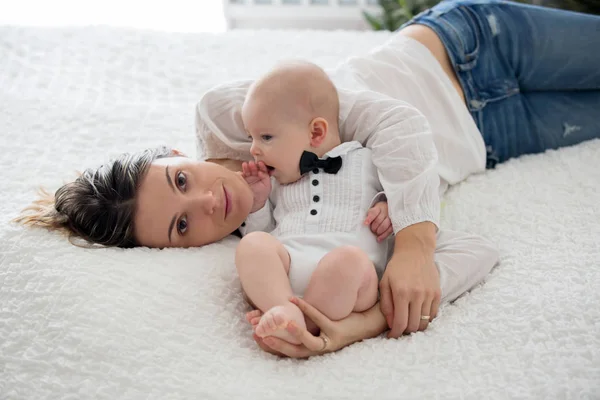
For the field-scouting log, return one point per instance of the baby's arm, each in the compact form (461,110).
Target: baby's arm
(378,219)
(463,260)
(257,177)
(261,214)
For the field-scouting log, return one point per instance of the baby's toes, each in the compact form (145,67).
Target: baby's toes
(270,321)
(253,314)
(280,319)
(263,328)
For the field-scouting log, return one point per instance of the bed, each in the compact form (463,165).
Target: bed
(168,324)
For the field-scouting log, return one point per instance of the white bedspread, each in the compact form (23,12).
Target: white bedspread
(168,324)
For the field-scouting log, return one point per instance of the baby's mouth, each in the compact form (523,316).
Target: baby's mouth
(270,169)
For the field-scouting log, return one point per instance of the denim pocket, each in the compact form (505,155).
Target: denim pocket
(467,37)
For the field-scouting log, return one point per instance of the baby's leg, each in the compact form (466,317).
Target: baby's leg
(344,281)
(263,265)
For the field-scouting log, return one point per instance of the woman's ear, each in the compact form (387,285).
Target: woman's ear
(318,131)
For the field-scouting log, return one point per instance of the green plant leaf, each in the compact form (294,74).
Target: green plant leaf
(401,14)
(397,12)
(375,23)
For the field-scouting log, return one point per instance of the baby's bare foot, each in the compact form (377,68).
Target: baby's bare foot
(276,319)
(253,317)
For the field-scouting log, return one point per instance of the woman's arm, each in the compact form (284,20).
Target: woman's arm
(412,243)
(220,132)
(339,334)
(406,159)
(410,287)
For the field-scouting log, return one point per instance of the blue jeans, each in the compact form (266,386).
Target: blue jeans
(531,75)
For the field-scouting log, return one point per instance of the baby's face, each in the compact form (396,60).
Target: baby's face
(279,145)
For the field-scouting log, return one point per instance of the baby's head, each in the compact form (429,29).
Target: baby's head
(291,109)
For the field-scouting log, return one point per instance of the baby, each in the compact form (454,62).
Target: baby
(320,244)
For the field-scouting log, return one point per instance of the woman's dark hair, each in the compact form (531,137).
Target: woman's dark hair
(99,206)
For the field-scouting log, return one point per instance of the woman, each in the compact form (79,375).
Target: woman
(494,80)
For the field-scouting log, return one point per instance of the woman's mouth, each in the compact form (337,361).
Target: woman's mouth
(227,199)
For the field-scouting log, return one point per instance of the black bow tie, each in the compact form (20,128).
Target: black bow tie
(310,161)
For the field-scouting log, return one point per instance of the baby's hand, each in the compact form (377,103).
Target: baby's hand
(379,219)
(257,176)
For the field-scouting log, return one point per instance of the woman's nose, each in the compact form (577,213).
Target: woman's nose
(205,201)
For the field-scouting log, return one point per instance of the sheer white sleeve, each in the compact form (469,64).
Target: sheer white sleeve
(403,151)
(463,260)
(219,129)
(261,220)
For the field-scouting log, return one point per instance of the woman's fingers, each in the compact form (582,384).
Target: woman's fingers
(385,302)
(435,305)
(401,315)
(315,315)
(265,347)
(425,312)
(281,347)
(311,342)
(414,314)
(310,345)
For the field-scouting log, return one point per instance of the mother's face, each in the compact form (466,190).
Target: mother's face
(187,203)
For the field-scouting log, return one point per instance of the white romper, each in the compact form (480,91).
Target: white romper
(322,211)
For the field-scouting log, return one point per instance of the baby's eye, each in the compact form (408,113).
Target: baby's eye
(181,181)
(266,138)
(182,225)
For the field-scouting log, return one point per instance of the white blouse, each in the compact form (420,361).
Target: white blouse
(395,100)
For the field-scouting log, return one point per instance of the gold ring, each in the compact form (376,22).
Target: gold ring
(425,317)
(325,342)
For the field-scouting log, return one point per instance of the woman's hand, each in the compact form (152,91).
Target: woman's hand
(338,334)
(410,287)
(257,177)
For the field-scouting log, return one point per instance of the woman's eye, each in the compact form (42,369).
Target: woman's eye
(181,180)
(182,225)
(266,138)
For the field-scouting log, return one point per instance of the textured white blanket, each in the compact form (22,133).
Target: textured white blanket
(152,324)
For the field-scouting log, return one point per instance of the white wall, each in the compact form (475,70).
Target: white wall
(169,15)
(298,14)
